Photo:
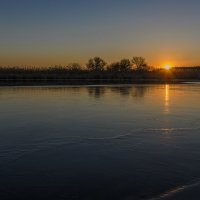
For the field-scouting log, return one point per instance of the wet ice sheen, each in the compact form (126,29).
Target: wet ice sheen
(100,142)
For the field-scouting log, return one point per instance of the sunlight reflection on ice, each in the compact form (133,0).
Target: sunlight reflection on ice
(167,98)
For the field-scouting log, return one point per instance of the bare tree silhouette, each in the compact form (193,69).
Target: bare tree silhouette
(125,65)
(140,63)
(96,64)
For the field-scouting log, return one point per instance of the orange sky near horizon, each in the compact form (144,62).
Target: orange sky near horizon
(61,59)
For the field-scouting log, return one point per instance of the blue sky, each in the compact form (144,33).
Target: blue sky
(48,32)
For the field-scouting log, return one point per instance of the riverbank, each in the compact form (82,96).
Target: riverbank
(38,82)
(67,76)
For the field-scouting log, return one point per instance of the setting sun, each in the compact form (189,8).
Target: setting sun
(167,67)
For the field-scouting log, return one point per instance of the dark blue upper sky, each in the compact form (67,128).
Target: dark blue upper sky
(43,32)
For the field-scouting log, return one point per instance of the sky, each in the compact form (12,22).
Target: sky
(58,32)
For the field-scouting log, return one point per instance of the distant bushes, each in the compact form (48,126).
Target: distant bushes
(97,68)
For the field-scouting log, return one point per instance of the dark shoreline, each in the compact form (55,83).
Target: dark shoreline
(43,82)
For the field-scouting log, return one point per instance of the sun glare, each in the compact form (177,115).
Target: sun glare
(167,67)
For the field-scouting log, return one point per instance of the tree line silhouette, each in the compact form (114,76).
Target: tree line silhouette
(97,69)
